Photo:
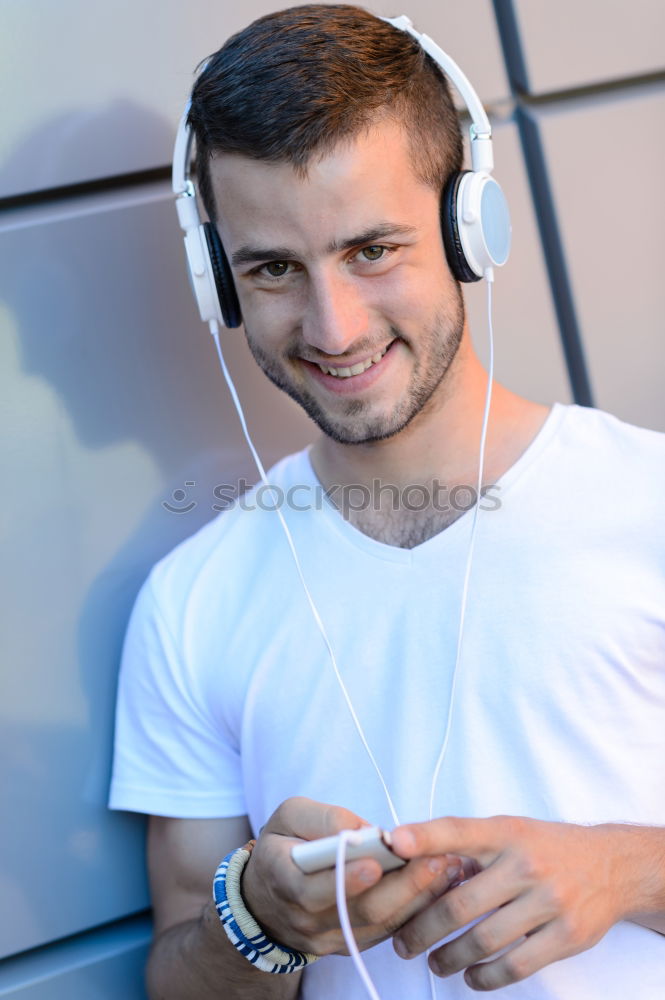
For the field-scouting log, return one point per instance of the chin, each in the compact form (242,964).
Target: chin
(361,427)
(365,433)
(354,423)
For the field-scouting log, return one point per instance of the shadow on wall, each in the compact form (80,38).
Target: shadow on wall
(113,387)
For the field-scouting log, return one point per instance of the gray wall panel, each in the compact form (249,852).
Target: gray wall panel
(103,97)
(106,964)
(604,156)
(571,44)
(111,386)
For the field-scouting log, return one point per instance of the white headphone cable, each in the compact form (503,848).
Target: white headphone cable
(489,276)
(346,836)
(472,540)
(214,329)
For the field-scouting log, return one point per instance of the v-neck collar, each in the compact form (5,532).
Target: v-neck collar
(448,536)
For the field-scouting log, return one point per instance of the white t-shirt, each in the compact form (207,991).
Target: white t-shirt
(228,702)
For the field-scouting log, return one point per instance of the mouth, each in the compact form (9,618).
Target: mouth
(356,369)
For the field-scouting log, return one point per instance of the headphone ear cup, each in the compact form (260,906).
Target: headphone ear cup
(221,270)
(450,230)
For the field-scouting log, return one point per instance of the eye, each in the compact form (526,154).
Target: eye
(276,268)
(373,252)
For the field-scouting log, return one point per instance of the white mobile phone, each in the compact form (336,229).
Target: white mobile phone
(369,842)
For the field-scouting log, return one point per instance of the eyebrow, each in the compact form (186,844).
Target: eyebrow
(251,254)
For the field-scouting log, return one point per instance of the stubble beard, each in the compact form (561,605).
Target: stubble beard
(438,346)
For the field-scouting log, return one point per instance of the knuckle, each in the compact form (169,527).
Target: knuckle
(411,939)
(514,831)
(279,818)
(370,912)
(294,802)
(303,923)
(306,935)
(514,826)
(390,926)
(325,944)
(283,808)
(528,867)
(516,966)
(455,908)
(572,933)
(457,827)
(336,818)
(484,938)
(306,907)
(419,876)
(330,821)
(553,899)
(445,966)
(432,892)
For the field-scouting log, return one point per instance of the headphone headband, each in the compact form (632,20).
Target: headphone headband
(182,152)
(480,132)
(475,218)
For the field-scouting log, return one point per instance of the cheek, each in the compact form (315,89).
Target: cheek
(269,324)
(272,315)
(413,293)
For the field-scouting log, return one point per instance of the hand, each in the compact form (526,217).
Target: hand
(544,890)
(299,910)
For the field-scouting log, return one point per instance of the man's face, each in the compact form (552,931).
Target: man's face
(346,296)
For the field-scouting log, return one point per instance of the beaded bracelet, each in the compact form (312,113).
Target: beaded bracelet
(241,928)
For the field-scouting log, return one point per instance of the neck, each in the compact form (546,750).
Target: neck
(438,451)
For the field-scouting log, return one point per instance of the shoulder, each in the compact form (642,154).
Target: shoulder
(612,468)
(595,421)
(599,437)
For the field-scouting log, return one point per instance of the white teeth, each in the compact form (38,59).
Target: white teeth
(358,369)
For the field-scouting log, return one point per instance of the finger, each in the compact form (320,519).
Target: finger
(451,875)
(309,820)
(467,902)
(316,892)
(314,899)
(402,893)
(307,904)
(540,949)
(502,929)
(482,839)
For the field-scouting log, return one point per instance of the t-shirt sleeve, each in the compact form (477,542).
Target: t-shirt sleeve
(171,757)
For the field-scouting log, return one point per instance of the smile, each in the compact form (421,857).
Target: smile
(358,369)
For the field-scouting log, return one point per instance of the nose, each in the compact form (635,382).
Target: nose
(335,316)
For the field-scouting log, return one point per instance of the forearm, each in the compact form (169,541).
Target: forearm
(196,961)
(643,856)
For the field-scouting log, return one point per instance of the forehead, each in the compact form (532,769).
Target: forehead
(361,181)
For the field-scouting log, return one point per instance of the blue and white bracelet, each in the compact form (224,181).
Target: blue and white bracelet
(241,928)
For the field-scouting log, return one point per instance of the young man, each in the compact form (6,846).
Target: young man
(325,138)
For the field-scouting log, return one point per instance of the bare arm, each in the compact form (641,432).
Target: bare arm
(192,959)
(191,956)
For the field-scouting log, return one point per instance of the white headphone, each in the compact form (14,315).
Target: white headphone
(475,221)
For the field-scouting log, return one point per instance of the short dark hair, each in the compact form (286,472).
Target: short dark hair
(293,84)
